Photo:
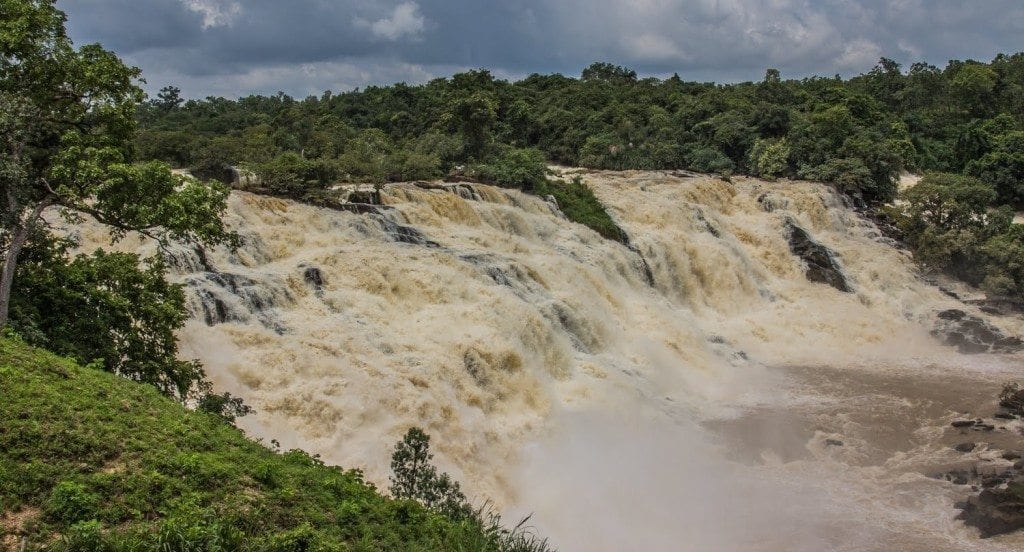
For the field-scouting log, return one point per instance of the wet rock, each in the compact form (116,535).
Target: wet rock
(404,234)
(215,311)
(1012,399)
(972,335)
(226,297)
(822,263)
(314,277)
(965,447)
(958,477)
(995,511)
(999,306)
(962,423)
(643,266)
(993,481)
(707,225)
(358,208)
(186,259)
(949,293)
(461,189)
(984,427)
(368,197)
(952,314)
(1004,416)
(833,443)
(1018,465)
(1011,456)
(772,202)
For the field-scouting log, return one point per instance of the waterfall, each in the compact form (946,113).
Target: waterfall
(559,372)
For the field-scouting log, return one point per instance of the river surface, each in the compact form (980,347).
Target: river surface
(676,394)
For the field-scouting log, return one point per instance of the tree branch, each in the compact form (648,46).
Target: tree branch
(102,218)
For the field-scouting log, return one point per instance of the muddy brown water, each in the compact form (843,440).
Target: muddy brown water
(880,439)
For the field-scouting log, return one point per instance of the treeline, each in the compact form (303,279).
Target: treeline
(857,133)
(966,119)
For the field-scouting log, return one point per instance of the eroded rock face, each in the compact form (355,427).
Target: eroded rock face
(822,263)
(972,335)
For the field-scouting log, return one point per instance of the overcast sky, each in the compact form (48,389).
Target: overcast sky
(237,47)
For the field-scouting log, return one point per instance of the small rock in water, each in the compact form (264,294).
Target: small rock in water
(1004,416)
(1011,456)
(962,423)
(984,427)
(965,447)
(1018,465)
(833,443)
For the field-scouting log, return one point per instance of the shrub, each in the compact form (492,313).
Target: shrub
(86,536)
(710,160)
(289,174)
(851,176)
(769,158)
(414,477)
(71,502)
(524,169)
(579,204)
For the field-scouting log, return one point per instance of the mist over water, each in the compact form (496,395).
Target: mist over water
(673,396)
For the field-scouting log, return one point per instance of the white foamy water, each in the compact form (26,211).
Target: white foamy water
(659,398)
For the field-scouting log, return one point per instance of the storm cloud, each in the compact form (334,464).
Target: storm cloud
(238,47)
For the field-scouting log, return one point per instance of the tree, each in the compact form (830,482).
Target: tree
(608,72)
(109,308)
(169,98)
(414,477)
(1003,167)
(946,221)
(474,116)
(67,119)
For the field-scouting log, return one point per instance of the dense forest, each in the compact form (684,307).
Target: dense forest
(964,121)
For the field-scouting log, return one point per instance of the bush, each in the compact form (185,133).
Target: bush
(404,166)
(579,204)
(86,536)
(289,174)
(769,158)
(1003,168)
(522,169)
(850,176)
(71,502)
(710,160)
(223,405)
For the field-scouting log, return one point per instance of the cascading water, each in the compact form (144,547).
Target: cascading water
(683,393)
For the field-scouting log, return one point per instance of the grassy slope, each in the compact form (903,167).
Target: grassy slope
(579,204)
(78,444)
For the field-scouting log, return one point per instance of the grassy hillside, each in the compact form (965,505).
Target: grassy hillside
(91,461)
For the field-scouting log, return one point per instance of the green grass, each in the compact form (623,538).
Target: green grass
(92,461)
(580,205)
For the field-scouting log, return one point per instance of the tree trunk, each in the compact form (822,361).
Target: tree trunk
(18,238)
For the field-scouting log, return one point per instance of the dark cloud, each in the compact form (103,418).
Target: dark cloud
(233,47)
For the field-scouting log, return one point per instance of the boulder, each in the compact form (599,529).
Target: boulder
(1012,399)
(995,511)
(822,263)
(314,277)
